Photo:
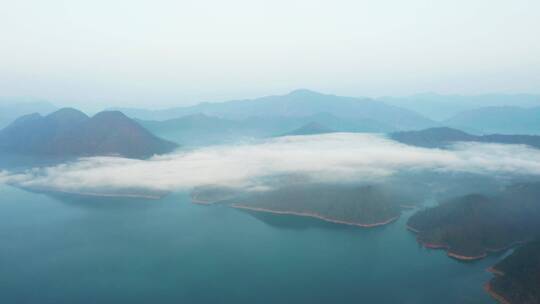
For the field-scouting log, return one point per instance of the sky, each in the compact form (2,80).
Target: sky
(163,53)
(331,158)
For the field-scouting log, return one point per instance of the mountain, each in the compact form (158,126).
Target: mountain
(69,132)
(504,120)
(443,137)
(442,107)
(12,108)
(517,277)
(299,103)
(471,226)
(311,128)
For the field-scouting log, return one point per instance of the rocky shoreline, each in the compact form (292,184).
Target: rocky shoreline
(314,215)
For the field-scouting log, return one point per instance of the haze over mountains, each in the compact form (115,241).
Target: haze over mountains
(437,107)
(280,114)
(503,119)
(12,108)
(494,113)
(296,104)
(441,107)
(274,115)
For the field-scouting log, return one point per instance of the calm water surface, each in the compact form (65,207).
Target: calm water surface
(98,250)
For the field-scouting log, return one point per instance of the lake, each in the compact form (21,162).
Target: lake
(102,250)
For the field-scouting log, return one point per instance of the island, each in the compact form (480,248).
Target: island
(470,227)
(517,277)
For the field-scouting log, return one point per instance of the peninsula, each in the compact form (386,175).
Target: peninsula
(472,226)
(361,206)
(517,277)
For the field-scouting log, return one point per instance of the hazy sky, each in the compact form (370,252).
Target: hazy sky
(161,53)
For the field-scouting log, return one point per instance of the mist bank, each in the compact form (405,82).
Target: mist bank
(331,158)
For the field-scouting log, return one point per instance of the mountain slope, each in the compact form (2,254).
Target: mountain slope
(311,128)
(68,132)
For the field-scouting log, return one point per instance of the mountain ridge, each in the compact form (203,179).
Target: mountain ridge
(296,104)
(69,132)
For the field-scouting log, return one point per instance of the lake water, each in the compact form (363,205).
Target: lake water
(99,250)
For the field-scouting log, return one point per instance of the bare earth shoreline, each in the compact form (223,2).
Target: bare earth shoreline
(459,256)
(489,289)
(315,215)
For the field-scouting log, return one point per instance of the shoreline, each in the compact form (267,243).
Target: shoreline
(412,229)
(199,202)
(494,271)
(97,194)
(498,297)
(446,247)
(465,257)
(143,196)
(314,215)
(195,200)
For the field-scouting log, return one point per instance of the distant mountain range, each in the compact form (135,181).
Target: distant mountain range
(299,103)
(481,114)
(273,115)
(504,120)
(442,107)
(443,137)
(69,132)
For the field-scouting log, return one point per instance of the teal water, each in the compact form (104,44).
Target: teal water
(96,250)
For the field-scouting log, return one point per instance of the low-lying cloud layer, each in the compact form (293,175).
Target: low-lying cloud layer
(330,157)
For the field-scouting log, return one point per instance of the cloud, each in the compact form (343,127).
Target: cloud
(330,157)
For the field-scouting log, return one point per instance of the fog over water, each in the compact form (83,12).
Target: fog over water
(337,157)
